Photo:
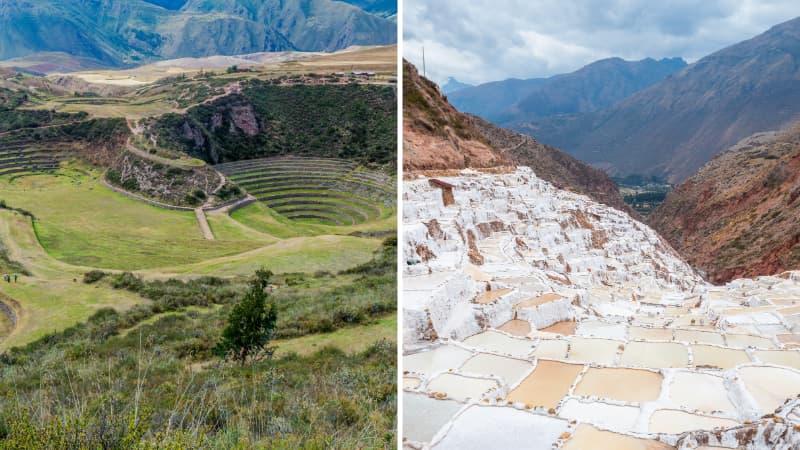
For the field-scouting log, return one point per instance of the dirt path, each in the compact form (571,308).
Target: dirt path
(203,222)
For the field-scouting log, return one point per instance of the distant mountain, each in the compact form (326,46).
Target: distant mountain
(452,85)
(382,8)
(130,32)
(674,127)
(737,216)
(591,88)
(437,137)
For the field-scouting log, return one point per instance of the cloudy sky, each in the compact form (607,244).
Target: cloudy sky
(484,40)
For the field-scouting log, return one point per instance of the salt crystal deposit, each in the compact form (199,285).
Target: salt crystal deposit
(522,301)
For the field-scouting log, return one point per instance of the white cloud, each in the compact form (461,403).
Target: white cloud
(484,40)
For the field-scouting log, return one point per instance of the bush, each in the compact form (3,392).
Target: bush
(93,276)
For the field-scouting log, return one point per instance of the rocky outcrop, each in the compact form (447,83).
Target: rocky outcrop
(184,187)
(435,135)
(737,216)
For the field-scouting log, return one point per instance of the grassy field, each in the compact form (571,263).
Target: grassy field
(81,225)
(348,340)
(260,217)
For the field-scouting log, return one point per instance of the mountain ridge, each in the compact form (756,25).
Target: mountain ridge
(117,33)
(592,87)
(672,128)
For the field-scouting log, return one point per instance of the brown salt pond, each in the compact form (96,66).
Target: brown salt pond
(509,369)
(746,340)
(565,328)
(547,385)
(460,387)
(701,392)
(476,273)
(494,341)
(628,385)
(598,351)
(538,301)
(707,356)
(490,296)
(588,437)
(671,421)
(655,355)
(787,358)
(551,349)
(516,327)
(770,386)
(789,340)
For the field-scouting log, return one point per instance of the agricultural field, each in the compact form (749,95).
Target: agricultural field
(130,256)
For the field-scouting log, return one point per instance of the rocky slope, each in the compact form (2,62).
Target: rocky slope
(593,87)
(437,137)
(671,129)
(737,216)
(131,32)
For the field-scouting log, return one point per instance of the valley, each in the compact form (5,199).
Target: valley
(134,216)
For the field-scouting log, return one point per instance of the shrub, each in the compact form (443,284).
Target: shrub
(93,276)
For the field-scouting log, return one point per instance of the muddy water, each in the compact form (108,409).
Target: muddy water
(565,328)
(547,385)
(786,358)
(537,301)
(516,327)
(770,386)
(588,437)
(629,385)
(440,359)
(656,355)
(424,416)
(490,296)
(598,351)
(671,421)
(500,343)
(706,356)
(700,392)
(551,349)
(461,388)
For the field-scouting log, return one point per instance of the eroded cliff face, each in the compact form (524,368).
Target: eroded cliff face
(435,135)
(536,317)
(738,215)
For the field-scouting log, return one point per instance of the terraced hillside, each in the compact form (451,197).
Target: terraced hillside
(318,190)
(20,156)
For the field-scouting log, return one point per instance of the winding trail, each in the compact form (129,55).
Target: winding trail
(203,222)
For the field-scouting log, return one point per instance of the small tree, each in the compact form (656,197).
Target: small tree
(250,323)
